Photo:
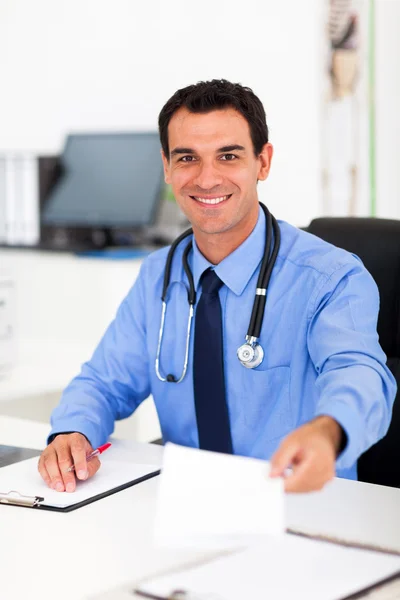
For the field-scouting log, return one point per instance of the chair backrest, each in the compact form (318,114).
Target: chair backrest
(377,243)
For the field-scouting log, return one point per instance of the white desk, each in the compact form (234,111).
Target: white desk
(72,556)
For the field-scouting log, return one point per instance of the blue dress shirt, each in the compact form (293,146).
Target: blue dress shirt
(322,354)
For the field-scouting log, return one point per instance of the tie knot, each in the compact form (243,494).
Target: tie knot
(210,282)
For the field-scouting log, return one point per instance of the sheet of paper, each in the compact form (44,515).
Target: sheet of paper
(24,478)
(212,500)
(282,567)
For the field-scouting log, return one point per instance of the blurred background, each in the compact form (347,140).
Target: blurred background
(81,193)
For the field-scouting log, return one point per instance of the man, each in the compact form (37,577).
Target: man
(322,394)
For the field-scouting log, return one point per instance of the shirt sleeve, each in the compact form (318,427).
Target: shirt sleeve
(114,381)
(354,385)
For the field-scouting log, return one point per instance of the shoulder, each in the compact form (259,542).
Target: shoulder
(156,260)
(330,270)
(154,265)
(304,250)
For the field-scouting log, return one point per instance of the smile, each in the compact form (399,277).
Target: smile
(217,200)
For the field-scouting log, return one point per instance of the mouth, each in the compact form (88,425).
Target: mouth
(211,200)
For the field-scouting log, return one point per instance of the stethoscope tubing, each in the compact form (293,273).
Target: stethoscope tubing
(272,231)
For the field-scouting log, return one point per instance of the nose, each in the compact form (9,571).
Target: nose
(207,176)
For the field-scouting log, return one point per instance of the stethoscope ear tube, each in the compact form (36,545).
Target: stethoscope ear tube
(170,378)
(192,291)
(168,264)
(267,265)
(263,298)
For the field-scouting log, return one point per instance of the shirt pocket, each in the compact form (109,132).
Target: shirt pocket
(268,411)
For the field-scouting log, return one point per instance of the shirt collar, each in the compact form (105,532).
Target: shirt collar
(238,267)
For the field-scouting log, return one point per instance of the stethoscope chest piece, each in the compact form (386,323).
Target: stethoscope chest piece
(250,355)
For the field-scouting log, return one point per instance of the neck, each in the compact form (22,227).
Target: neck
(217,246)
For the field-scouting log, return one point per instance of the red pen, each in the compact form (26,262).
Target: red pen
(96,452)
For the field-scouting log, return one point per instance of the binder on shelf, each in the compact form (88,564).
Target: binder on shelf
(19,199)
(3,231)
(21,484)
(30,201)
(10,199)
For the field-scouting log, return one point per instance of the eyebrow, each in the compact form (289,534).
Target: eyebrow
(231,148)
(182,151)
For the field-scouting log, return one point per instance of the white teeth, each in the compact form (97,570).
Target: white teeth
(212,200)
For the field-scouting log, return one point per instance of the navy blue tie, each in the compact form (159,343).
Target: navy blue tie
(208,369)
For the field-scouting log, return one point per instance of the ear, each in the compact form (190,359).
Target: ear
(265,159)
(167,174)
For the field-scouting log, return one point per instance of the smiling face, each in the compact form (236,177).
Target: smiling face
(213,172)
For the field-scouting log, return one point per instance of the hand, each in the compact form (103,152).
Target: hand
(63,452)
(311,451)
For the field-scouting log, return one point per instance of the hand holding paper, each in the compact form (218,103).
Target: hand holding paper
(311,451)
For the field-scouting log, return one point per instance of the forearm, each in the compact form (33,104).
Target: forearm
(359,398)
(96,398)
(85,408)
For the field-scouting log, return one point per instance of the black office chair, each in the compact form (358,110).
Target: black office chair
(377,243)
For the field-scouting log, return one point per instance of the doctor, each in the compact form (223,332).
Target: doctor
(307,388)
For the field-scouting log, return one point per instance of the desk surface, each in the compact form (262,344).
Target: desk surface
(45,555)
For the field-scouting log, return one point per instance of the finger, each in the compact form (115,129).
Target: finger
(79,450)
(43,472)
(284,457)
(51,463)
(300,479)
(310,475)
(93,466)
(64,463)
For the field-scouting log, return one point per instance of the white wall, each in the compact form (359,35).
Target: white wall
(105,65)
(387,98)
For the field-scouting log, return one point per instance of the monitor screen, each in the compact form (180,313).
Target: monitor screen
(108,180)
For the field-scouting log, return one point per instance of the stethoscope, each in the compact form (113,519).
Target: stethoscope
(251,353)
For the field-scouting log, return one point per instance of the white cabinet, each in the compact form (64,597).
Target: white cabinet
(7,323)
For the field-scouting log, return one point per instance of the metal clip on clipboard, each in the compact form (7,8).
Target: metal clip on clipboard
(16,499)
(177,595)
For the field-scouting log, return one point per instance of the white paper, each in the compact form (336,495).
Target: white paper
(23,477)
(284,567)
(213,500)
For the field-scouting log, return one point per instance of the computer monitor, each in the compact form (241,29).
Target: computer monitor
(109,180)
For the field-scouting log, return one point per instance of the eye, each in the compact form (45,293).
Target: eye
(228,157)
(187,158)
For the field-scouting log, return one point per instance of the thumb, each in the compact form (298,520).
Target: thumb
(283,458)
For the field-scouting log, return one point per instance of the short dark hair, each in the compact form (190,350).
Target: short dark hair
(206,96)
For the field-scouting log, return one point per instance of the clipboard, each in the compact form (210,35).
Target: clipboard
(344,573)
(389,589)
(21,485)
